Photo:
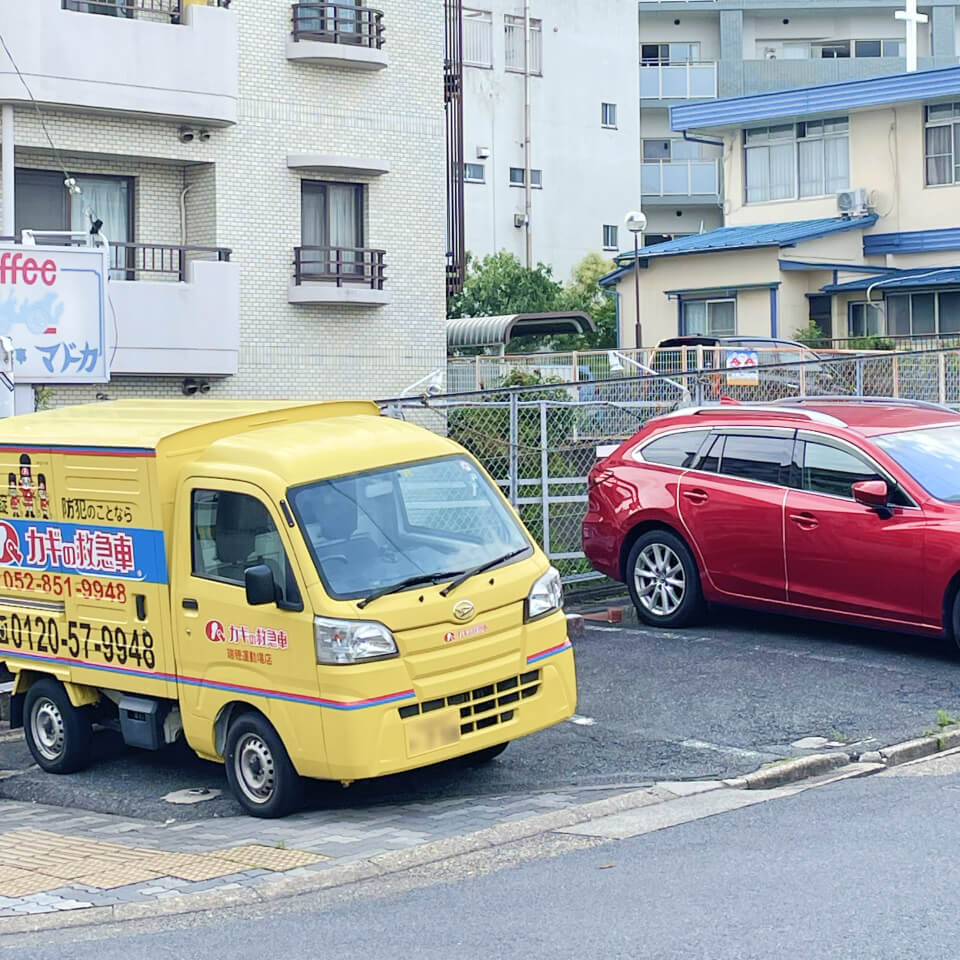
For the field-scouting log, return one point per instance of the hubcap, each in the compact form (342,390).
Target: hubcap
(255,769)
(46,725)
(659,579)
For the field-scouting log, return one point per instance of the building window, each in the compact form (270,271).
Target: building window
(609,236)
(865,320)
(666,53)
(517,178)
(477,38)
(922,314)
(514,57)
(716,318)
(787,161)
(331,227)
(828,49)
(473,172)
(608,114)
(942,144)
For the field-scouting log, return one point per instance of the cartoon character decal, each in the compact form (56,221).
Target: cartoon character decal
(26,486)
(14,495)
(43,497)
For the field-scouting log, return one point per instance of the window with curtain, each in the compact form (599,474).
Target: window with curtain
(331,221)
(716,318)
(790,161)
(922,314)
(942,144)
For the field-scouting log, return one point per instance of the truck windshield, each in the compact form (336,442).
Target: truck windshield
(929,456)
(372,530)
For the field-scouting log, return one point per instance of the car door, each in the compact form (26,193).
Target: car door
(732,508)
(841,555)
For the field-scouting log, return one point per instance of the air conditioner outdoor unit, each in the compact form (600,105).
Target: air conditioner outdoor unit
(519,219)
(852,203)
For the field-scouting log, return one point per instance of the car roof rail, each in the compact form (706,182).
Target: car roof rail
(843,398)
(749,410)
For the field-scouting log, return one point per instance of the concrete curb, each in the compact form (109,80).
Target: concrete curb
(790,771)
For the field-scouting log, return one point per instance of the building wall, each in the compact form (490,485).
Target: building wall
(243,196)
(590,175)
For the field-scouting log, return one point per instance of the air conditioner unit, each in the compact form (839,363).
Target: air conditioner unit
(519,219)
(853,203)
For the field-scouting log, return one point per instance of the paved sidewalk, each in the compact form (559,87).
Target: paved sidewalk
(54,859)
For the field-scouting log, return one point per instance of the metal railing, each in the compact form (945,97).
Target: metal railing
(678,81)
(171,10)
(338,23)
(540,441)
(339,265)
(680,178)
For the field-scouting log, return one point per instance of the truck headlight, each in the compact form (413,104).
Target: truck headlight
(352,641)
(546,595)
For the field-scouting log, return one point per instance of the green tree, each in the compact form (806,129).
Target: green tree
(584,292)
(500,284)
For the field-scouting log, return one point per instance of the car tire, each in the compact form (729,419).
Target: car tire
(954,633)
(259,770)
(59,735)
(663,581)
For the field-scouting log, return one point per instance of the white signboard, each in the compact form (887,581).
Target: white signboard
(53,303)
(742,368)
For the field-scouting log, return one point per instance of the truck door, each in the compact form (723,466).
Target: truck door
(227,649)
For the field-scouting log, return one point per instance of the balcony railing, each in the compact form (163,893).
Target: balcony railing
(171,10)
(678,81)
(338,23)
(339,265)
(680,178)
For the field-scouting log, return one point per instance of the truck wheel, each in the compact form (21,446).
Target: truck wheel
(479,757)
(258,769)
(58,734)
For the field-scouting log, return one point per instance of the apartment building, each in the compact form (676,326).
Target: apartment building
(842,209)
(271,178)
(569,84)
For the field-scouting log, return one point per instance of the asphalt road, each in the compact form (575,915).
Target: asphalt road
(716,701)
(858,870)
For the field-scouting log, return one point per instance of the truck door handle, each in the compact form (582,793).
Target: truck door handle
(696,496)
(190,604)
(806,521)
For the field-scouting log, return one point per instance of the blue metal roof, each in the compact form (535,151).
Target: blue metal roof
(816,100)
(740,238)
(900,280)
(913,241)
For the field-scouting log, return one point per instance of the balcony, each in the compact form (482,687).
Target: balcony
(760,76)
(342,275)
(337,35)
(678,81)
(158,58)
(693,181)
(177,310)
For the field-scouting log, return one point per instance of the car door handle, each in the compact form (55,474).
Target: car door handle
(805,520)
(190,604)
(696,496)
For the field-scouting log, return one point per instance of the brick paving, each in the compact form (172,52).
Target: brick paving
(53,859)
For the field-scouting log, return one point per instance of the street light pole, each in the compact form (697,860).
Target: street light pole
(636,223)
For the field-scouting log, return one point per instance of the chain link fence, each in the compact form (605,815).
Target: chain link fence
(539,442)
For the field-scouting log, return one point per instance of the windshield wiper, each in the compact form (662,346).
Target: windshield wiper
(473,571)
(420,578)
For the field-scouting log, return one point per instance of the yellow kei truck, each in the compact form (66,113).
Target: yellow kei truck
(299,590)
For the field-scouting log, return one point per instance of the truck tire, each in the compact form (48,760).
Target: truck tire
(480,757)
(58,734)
(258,769)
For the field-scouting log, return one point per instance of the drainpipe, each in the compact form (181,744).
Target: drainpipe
(183,215)
(527,186)
(8,226)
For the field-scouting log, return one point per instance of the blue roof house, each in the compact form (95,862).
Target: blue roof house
(841,205)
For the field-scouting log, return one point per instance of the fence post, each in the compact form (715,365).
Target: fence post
(896,376)
(576,372)
(514,475)
(544,478)
(858,365)
(942,377)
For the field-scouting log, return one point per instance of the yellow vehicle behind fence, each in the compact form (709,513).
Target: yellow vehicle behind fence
(299,590)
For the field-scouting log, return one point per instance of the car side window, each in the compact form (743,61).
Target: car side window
(234,531)
(710,462)
(830,470)
(753,457)
(675,449)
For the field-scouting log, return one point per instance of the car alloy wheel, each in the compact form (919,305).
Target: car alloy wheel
(659,580)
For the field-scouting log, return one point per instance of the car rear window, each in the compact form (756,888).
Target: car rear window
(764,459)
(675,449)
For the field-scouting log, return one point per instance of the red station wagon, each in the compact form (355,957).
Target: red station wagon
(834,508)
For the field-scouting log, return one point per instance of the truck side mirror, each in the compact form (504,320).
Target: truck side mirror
(259,583)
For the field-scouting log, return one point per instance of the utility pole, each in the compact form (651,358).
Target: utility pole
(527,173)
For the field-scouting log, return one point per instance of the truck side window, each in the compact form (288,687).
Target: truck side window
(233,531)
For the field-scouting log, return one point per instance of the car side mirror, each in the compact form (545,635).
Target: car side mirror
(258,581)
(873,494)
